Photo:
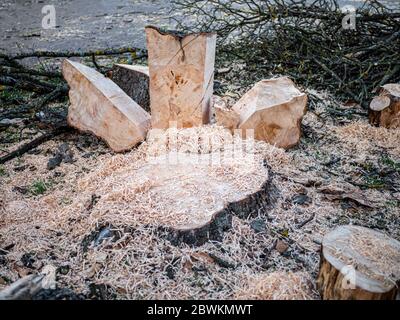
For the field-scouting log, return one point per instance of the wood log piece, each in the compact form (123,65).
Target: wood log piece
(99,106)
(384,110)
(224,115)
(273,109)
(358,263)
(134,80)
(181,77)
(24,288)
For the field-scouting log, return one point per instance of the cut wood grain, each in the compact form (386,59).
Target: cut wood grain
(358,263)
(384,110)
(99,106)
(273,109)
(181,77)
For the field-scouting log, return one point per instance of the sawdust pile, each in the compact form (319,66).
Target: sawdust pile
(362,137)
(153,185)
(278,286)
(116,252)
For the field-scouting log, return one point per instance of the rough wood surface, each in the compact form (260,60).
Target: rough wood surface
(358,263)
(273,109)
(384,110)
(181,77)
(99,106)
(134,80)
(225,116)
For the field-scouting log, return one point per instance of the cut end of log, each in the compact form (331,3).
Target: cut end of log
(273,109)
(99,106)
(359,263)
(384,110)
(379,103)
(181,77)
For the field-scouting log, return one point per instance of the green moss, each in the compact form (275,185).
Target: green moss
(38,187)
(387,161)
(3,171)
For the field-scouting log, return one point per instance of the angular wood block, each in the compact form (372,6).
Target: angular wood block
(225,116)
(273,109)
(384,110)
(181,77)
(134,80)
(99,106)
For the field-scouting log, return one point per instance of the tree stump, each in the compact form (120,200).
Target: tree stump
(273,109)
(181,77)
(99,106)
(188,182)
(358,263)
(134,80)
(384,110)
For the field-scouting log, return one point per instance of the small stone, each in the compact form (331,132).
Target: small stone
(281,246)
(301,199)
(258,225)
(54,162)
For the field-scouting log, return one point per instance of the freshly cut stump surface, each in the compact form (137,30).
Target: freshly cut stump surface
(190,191)
(358,263)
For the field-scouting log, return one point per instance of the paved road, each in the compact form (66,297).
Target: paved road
(85,24)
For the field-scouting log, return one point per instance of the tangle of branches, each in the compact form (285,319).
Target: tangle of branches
(306,40)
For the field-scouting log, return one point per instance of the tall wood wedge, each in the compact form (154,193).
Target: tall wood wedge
(384,110)
(273,109)
(224,115)
(181,77)
(99,106)
(358,263)
(134,80)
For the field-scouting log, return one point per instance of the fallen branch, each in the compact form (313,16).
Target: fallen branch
(67,54)
(34,143)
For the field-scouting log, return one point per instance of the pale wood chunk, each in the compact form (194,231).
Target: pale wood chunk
(384,110)
(273,109)
(134,80)
(99,106)
(225,116)
(358,263)
(181,77)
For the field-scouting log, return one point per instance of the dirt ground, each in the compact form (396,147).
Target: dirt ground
(342,172)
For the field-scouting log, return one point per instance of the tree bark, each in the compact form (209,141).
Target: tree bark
(384,110)
(358,264)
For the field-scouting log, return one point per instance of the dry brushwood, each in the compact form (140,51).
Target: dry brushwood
(305,39)
(384,110)
(358,263)
(47,84)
